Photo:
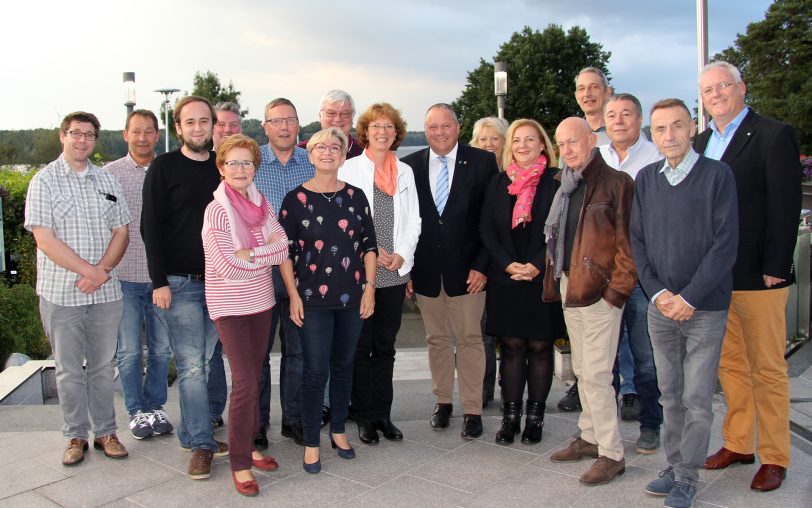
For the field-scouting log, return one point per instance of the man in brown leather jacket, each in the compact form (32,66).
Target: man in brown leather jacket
(588,250)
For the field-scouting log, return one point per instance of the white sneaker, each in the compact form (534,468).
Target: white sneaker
(140,425)
(160,422)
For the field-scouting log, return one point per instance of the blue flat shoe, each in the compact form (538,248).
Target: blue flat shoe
(344,453)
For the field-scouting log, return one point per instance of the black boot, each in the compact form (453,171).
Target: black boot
(511,422)
(533,423)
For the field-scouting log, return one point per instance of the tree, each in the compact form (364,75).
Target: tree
(208,85)
(541,70)
(774,57)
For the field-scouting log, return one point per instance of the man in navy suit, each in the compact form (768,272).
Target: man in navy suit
(763,154)
(449,264)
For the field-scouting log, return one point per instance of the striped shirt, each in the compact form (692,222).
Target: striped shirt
(130,175)
(275,179)
(81,210)
(235,287)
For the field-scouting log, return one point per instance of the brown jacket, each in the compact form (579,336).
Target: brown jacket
(601,263)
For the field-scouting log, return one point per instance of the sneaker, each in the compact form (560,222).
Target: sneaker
(630,407)
(681,495)
(160,422)
(140,425)
(648,442)
(662,485)
(200,465)
(570,401)
(222,449)
(217,423)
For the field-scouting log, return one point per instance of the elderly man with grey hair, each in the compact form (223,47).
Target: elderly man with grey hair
(229,121)
(337,109)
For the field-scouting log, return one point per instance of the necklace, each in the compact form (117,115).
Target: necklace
(322,194)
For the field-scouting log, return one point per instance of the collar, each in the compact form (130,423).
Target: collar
(632,149)
(732,126)
(685,165)
(129,158)
(299,154)
(450,155)
(65,169)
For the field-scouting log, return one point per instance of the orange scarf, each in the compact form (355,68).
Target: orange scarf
(386,176)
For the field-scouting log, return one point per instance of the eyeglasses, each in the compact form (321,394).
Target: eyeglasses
(382,126)
(720,86)
(276,122)
(344,115)
(230,125)
(75,134)
(334,149)
(235,164)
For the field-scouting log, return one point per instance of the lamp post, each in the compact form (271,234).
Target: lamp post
(701,56)
(500,86)
(129,91)
(167,92)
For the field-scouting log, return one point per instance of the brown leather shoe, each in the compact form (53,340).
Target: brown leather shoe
(111,445)
(75,452)
(200,465)
(603,471)
(577,450)
(769,477)
(725,457)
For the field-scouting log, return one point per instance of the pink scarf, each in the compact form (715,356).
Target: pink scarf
(248,217)
(524,185)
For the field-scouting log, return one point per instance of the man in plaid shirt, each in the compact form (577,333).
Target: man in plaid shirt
(79,217)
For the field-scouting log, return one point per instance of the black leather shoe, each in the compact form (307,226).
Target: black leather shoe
(442,412)
(389,430)
(367,433)
(471,426)
(294,431)
(261,440)
(325,415)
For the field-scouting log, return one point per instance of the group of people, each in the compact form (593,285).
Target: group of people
(681,249)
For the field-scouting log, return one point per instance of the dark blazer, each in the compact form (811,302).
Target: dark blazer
(766,164)
(450,245)
(496,223)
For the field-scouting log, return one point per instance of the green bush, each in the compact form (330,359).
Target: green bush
(19,243)
(20,326)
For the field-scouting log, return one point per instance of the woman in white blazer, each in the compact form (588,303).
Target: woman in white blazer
(389,186)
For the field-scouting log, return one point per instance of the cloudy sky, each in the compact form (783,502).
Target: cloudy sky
(63,56)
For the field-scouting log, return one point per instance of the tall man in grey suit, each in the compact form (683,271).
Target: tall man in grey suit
(449,264)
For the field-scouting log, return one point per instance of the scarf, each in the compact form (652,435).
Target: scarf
(386,176)
(554,227)
(244,215)
(524,185)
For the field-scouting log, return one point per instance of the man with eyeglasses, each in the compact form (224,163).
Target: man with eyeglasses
(337,109)
(144,395)
(79,217)
(763,153)
(229,121)
(177,189)
(283,167)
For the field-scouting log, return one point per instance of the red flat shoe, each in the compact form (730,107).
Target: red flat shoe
(249,488)
(266,463)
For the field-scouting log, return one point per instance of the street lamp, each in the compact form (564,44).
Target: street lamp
(500,86)
(129,91)
(167,92)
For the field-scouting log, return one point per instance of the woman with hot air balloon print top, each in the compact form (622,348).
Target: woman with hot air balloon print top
(330,277)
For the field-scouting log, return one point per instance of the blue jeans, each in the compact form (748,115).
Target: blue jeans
(193,337)
(142,393)
(290,370)
(329,339)
(687,357)
(625,364)
(218,389)
(645,373)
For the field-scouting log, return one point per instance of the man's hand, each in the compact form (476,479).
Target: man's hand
(162,297)
(92,279)
(409,290)
(664,302)
(680,311)
(476,281)
(771,281)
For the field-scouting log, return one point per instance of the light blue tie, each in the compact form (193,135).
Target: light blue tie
(441,190)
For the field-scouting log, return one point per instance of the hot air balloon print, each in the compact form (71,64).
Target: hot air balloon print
(351,232)
(328,270)
(323,290)
(312,268)
(344,299)
(357,276)
(350,192)
(308,293)
(319,219)
(334,250)
(345,262)
(339,200)
(319,244)
(302,197)
(343,223)
(306,223)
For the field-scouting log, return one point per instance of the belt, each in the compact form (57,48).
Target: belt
(195,277)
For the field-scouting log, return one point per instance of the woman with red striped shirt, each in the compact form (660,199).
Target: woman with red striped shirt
(241,241)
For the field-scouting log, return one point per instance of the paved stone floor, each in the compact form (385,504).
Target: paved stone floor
(428,468)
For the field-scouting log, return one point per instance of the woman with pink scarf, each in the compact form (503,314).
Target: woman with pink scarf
(512,228)
(241,241)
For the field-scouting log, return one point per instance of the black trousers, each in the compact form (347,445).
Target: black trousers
(375,357)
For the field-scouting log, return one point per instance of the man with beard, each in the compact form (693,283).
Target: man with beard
(177,189)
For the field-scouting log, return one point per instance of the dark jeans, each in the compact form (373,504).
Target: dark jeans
(290,371)
(329,338)
(244,339)
(375,357)
(218,389)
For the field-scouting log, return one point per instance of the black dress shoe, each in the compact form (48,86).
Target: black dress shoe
(442,412)
(325,415)
(261,441)
(294,431)
(367,433)
(389,430)
(471,426)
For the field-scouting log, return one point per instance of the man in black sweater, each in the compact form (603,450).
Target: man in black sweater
(177,189)
(684,235)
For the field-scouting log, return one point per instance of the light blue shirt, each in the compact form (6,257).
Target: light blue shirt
(274,179)
(678,174)
(718,142)
(642,153)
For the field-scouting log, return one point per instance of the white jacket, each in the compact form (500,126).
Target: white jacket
(360,172)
